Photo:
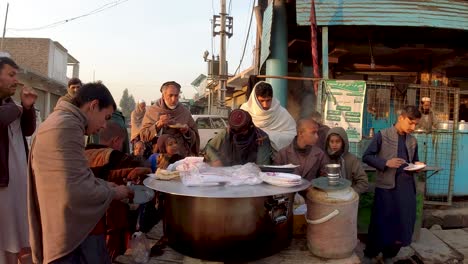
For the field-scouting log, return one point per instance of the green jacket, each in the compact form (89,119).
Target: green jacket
(222,148)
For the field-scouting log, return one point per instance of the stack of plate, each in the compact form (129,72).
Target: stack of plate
(281,179)
(289,168)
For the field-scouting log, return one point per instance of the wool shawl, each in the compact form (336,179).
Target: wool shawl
(276,121)
(189,144)
(65,200)
(136,118)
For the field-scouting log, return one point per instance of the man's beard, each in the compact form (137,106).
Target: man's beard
(171,107)
(426,111)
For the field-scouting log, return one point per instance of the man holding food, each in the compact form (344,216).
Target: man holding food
(169,116)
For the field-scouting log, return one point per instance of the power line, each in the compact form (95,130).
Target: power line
(58,23)
(246,38)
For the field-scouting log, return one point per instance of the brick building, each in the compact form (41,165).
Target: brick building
(44,64)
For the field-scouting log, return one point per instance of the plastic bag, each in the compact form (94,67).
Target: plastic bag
(140,247)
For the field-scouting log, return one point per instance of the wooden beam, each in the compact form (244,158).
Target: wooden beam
(289,78)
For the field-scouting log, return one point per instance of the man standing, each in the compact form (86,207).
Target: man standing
(268,115)
(74,84)
(168,116)
(136,118)
(302,151)
(66,200)
(16,122)
(239,144)
(394,210)
(428,120)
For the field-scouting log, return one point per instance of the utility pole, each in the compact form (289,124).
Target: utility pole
(4,27)
(225,24)
(222,57)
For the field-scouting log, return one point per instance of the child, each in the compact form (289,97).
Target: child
(167,152)
(337,147)
(394,210)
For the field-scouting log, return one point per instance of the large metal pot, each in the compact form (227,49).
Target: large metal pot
(227,223)
(446,125)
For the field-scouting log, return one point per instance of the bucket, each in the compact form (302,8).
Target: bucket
(332,222)
(333,173)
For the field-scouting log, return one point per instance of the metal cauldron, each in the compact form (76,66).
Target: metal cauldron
(227,222)
(445,125)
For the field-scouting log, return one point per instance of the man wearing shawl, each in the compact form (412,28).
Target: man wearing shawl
(74,84)
(136,118)
(239,144)
(168,116)
(65,199)
(268,115)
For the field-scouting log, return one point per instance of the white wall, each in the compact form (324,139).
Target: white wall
(57,63)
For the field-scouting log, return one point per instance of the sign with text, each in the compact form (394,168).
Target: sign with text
(344,106)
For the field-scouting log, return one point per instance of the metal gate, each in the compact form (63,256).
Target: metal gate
(438,149)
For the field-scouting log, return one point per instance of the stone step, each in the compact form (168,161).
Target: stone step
(432,250)
(456,238)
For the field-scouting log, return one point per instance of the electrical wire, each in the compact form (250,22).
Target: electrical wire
(246,38)
(58,23)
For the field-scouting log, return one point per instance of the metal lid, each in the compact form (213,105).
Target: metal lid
(222,191)
(322,183)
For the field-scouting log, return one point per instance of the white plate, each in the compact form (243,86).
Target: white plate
(281,176)
(143,194)
(282,184)
(281,179)
(287,166)
(414,167)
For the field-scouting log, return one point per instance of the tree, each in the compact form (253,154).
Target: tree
(127,104)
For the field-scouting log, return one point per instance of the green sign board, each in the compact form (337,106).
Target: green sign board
(345,105)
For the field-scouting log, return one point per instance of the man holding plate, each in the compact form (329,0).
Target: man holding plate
(394,210)
(169,116)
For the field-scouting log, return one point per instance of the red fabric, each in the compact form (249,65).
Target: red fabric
(239,119)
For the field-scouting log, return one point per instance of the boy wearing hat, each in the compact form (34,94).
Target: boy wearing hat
(428,120)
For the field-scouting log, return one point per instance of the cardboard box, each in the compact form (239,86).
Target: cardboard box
(299,225)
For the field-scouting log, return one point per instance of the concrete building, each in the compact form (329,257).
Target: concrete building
(207,98)
(44,65)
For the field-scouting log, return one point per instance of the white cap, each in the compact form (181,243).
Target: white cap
(425,99)
(141,101)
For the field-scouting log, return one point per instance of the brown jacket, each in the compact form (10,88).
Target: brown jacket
(310,166)
(351,166)
(65,200)
(113,166)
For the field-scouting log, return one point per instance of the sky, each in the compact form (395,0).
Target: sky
(137,44)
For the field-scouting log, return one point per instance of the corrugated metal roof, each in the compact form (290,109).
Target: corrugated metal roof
(416,13)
